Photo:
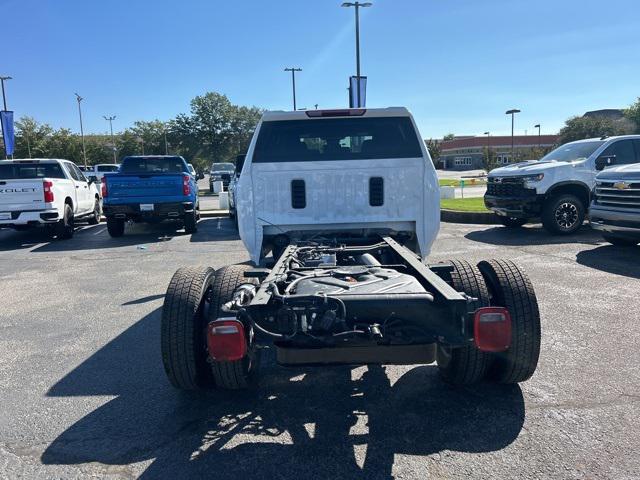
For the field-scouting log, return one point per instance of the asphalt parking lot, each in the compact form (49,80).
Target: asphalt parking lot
(84,393)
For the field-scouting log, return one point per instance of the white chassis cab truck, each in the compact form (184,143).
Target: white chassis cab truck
(347,203)
(46,192)
(556,188)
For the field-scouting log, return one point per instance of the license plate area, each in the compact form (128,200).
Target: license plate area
(146,207)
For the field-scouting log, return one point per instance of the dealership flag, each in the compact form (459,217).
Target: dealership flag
(353,92)
(7,130)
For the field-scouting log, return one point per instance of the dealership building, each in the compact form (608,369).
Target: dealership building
(467,153)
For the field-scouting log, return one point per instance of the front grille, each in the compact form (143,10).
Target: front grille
(618,194)
(508,187)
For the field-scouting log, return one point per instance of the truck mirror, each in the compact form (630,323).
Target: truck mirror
(605,161)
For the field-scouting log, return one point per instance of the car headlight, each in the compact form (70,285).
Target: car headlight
(533,178)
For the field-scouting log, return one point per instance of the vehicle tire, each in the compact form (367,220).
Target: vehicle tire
(563,214)
(512,222)
(67,224)
(238,374)
(465,365)
(115,227)
(511,288)
(620,241)
(191,222)
(183,327)
(94,219)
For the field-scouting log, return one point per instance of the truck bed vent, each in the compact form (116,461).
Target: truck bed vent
(376,191)
(298,194)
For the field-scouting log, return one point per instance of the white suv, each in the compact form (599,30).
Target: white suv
(46,192)
(556,188)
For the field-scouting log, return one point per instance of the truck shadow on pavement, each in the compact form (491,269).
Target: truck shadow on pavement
(299,423)
(532,235)
(612,259)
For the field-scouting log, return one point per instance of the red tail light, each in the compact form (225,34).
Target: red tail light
(347,112)
(492,329)
(103,187)
(47,186)
(226,340)
(186,185)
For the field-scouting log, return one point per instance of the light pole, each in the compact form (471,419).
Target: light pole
(357,6)
(141,144)
(166,145)
(538,127)
(293,71)
(512,112)
(488,134)
(84,152)
(4,102)
(113,143)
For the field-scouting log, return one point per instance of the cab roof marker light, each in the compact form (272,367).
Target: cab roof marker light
(347,112)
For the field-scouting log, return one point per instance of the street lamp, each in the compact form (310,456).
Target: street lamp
(4,102)
(357,6)
(538,127)
(488,134)
(293,71)
(113,143)
(166,145)
(84,152)
(512,112)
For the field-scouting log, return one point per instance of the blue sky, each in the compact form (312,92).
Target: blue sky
(457,64)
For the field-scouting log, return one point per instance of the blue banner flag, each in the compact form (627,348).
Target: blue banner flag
(355,100)
(6,117)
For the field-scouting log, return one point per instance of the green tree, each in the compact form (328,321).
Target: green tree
(489,160)
(449,136)
(633,115)
(578,128)
(434,150)
(31,138)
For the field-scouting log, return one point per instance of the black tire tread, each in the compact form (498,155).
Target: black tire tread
(182,329)
(515,293)
(468,364)
(115,227)
(228,375)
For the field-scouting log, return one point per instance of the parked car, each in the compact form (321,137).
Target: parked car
(556,188)
(151,189)
(232,186)
(100,169)
(46,192)
(615,209)
(347,201)
(221,172)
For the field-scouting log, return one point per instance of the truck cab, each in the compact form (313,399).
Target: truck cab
(556,188)
(334,172)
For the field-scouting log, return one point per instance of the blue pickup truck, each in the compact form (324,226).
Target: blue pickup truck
(150,189)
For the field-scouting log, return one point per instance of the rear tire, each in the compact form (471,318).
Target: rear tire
(115,227)
(94,219)
(191,222)
(620,241)
(238,374)
(563,215)
(512,222)
(183,328)
(465,365)
(67,224)
(511,288)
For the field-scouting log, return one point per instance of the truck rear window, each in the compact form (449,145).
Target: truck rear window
(336,139)
(107,168)
(153,165)
(20,171)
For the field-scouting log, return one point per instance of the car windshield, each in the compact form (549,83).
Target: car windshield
(223,167)
(572,152)
(18,171)
(152,165)
(337,139)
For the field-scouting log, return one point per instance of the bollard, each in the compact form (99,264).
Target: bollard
(223,199)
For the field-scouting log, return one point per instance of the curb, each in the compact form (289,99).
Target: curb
(453,216)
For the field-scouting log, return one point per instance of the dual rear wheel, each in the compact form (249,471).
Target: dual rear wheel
(495,283)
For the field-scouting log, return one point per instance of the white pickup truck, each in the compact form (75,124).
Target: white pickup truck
(46,192)
(347,200)
(556,188)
